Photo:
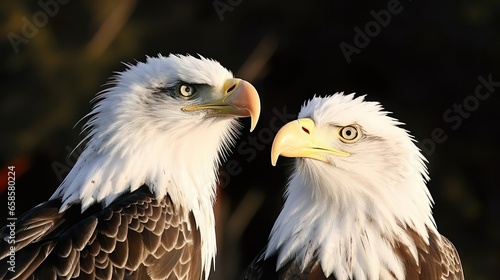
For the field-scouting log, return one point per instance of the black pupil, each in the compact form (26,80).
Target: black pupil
(187,89)
(348,132)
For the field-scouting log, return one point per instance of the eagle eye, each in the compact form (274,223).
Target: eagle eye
(187,90)
(350,133)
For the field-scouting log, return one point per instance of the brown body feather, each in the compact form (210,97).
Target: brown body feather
(437,260)
(136,237)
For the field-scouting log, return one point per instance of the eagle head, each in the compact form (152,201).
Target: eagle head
(165,123)
(351,147)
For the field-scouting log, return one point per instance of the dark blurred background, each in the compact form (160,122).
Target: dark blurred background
(423,63)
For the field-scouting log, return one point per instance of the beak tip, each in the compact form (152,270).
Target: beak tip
(253,122)
(274,156)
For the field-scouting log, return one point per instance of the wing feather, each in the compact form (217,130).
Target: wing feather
(150,240)
(120,255)
(451,265)
(436,260)
(84,234)
(87,262)
(136,237)
(137,258)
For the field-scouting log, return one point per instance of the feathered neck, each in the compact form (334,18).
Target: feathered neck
(349,225)
(121,156)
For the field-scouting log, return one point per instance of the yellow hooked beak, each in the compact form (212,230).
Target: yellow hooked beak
(240,99)
(299,139)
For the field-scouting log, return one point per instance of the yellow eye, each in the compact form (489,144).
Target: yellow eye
(187,90)
(349,134)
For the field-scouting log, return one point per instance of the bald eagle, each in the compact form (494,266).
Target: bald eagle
(357,205)
(138,202)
